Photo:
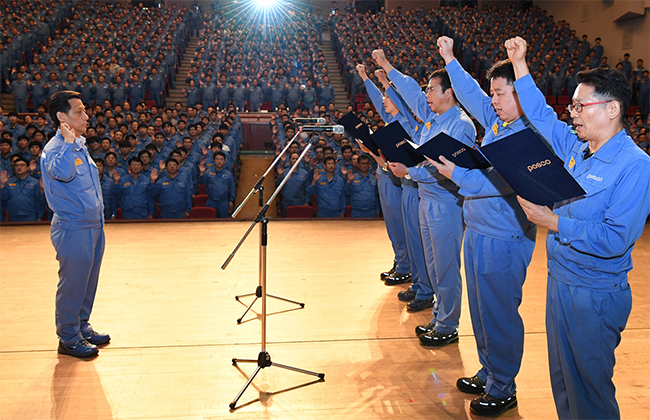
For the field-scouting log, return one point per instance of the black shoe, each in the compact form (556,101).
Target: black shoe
(417,305)
(435,339)
(471,385)
(388,273)
(81,349)
(397,278)
(406,295)
(487,405)
(423,329)
(98,339)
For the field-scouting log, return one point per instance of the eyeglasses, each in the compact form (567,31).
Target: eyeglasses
(427,89)
(578,107)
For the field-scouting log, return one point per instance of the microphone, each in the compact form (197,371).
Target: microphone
(336,129)
(309,120)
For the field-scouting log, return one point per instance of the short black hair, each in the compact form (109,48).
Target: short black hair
(60,102)
(443,76)
(327,159)
(171,159)
(346,147)
(608,85)
(502,69)
(142,152)
(18,157)
(6,140)
(100,160)
(35,143)
(135,159)
(110,153)
(220,154)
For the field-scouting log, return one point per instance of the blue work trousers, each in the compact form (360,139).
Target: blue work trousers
(410,214)
(441,226)
(390,199)
(583,328)
(79,252)
(495,271)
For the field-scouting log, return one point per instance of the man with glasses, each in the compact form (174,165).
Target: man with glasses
(590,240)
(441,206)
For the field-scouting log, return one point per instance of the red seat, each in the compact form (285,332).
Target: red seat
(118,214)
(551,100)
(202,188)
(360,107)
(303,211)
(559,109)
(631,109)
(199,200)
(348,211)
(360,97)
(203,213)
(266,106)
(563,100)
(149,103)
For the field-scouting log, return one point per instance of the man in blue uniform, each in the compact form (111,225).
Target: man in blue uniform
(362,189)
(132,190)
(220,186)
(499,240)
(399,202)
(21,194)
(440,211)
(110,203)
(328,188)
(590,240)
(294,192)
(73,192)
(172,191)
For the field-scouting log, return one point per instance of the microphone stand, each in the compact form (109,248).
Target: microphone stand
(259,188)
(264,358)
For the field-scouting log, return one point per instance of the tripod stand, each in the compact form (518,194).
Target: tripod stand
(264,358)
(259,188)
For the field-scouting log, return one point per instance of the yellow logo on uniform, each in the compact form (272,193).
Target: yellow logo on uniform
(572,163)
(428,124)
(495,129)
(126,184)
(12,185)
(77,162)
(165,183)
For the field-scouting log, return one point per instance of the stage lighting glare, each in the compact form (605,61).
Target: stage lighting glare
(265,4)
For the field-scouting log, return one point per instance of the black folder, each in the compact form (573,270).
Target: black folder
(532,169)
(393,141)
(460,154)
(358,130)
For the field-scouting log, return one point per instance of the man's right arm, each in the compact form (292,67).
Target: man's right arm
(467,90)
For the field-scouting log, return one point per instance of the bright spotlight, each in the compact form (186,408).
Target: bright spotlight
(266,4)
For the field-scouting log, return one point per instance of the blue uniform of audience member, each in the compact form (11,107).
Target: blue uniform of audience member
(74,194)
(294,192)
(23,199)
(110,202)
(440,211)
(499,243)
(364,199)
(220,189)
(134,197)
(589,298)
(330,197)
(174,196)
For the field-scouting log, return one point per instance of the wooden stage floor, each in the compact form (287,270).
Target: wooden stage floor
(171,314)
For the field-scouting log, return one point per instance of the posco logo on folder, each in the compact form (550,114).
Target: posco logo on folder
(538,165)
(458,152)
